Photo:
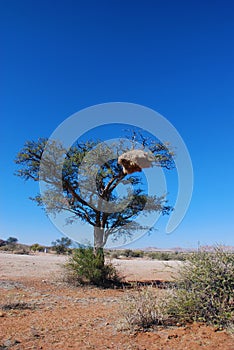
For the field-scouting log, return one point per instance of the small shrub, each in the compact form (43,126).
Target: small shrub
(37,248)
(114,256)
(165,256)
(85,267)
(127,253)
(144,308)
(153,255)
(137,254)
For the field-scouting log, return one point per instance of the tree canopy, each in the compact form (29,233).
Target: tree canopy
(12,240)
(83,181)
(62,245)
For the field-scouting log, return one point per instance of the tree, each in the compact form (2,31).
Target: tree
(36,247)
(2,242)
(11,241)
(62,245)
(89,174)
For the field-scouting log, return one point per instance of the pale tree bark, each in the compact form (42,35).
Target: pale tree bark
(98,237)
(98,244)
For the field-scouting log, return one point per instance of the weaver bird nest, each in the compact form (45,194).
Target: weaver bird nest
(135,160)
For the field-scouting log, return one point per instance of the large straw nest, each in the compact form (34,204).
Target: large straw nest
(135,160)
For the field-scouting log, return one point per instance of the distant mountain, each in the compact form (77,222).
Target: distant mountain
(156,249)
(206,248)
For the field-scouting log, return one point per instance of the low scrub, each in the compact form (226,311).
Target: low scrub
(15,249)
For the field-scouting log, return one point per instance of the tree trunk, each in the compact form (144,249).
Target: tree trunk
(98,243)
(98,237)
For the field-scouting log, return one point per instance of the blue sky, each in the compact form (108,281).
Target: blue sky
(176,57)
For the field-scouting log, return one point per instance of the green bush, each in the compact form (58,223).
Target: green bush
(204,292)
(127,253)
(137,254)
(165,256)
(37,248)
(85,267)
(206,289)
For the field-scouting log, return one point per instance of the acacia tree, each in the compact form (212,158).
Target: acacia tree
(12,241)
(62,245)
(83,181)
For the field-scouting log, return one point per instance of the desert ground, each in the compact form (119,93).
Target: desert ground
(39,311)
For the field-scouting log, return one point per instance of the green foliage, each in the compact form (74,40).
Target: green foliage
(204,292)
(61,246)
(2,243)
(15,248)
(129,253)
(87,267)
(11,244)
(37,248)
(137,254)
(166,256)
(12,240)
(206,289)
(58,166)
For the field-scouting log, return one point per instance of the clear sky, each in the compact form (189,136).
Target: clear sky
(176,57)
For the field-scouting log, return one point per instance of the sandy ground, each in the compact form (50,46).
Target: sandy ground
(37,311)
(48,265)
(34,266)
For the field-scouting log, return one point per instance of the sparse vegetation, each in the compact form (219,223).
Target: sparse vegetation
(204,292)
(206,289)
(76,311)
(166,256)
(143,309)
(157,255)
(11,245)
(129,253)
